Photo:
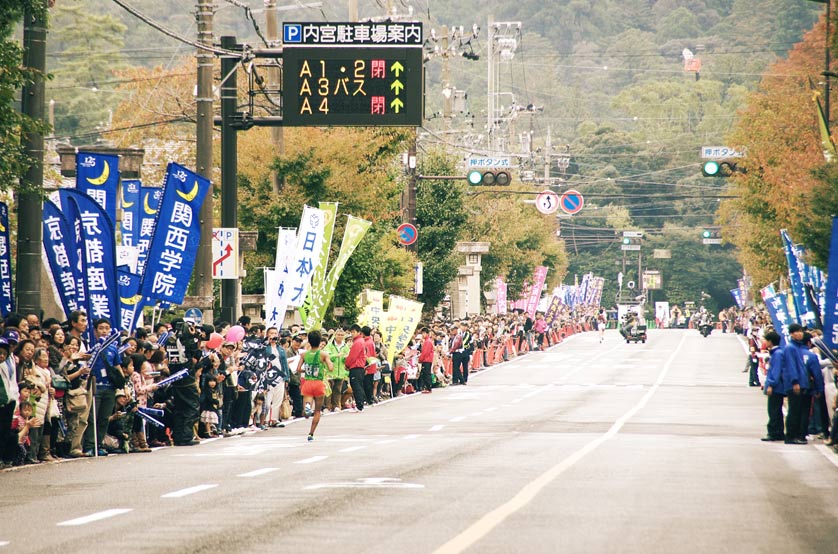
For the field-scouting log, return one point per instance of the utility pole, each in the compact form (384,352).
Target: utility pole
(447,91)
(353,10)
(548,148)
(277,133)
(29,209)
(203,157)
(230,297)
(491,93)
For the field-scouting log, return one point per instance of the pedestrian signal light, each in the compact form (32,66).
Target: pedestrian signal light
(706,233)
(489,177)
(711,169)
(722,168)
(626,240)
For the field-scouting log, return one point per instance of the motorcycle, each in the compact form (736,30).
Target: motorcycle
(705,328)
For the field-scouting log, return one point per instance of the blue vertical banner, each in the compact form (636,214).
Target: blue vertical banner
(177,233)
(98,258)
(75,249)
(7,299)
(131,204)
(60,251)
(805,313)
(738,298)
(777,306)
(130,300)
(97,175)
(150,203)
(830,311)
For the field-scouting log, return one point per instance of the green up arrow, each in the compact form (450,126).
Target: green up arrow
(397,68)
(397,105)
(397,86)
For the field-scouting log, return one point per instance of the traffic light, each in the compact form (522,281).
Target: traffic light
(720,168)
(711,235)
(489,178)
(632,241)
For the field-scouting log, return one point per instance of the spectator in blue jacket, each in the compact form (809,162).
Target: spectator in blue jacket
(813,382)
(774,388)
(796,381)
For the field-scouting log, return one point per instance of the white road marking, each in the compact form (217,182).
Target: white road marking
(457,419)
(4,543)
(312,460)
(828,453)
(475,414)
(492,409)
(352,448)
(98,516)
(388,441)
(187,491)
(368,483)
(493,519)
(437,428)
(258,472)
(411,437)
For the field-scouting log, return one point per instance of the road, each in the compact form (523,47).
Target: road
(587,447)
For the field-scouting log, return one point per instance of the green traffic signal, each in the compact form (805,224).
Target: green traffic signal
(475,177)
(706,234)
(626,240)
(710,169)
(489,177)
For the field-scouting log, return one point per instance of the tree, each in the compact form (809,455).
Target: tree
(440,217)
(85,49)
(778,130)
(13,124)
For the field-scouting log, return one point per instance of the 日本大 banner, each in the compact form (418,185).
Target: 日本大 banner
(177,234)
(7,299)
(274,308)
(306,252)
(97,175)
(60,252)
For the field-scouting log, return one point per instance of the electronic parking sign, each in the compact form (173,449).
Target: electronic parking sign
(352,74)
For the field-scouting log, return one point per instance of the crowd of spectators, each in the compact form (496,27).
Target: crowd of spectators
(64,396)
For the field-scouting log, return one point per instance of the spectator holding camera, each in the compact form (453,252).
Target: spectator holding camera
(75,369)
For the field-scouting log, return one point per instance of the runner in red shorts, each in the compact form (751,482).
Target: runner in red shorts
(313,365)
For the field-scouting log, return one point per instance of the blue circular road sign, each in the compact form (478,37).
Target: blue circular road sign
(407,234)
(571,202)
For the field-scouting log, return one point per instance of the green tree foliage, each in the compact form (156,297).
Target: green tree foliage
(83,55)
(13,76)
(440,218)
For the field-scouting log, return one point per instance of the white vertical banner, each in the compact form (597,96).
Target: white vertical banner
(292,284)
(274,308)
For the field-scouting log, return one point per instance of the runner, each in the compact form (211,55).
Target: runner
(313,365)
(601,323)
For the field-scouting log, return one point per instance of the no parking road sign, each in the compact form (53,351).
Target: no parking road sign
(571,202)
(407,234)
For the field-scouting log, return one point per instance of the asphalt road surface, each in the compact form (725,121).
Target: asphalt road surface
(587,447)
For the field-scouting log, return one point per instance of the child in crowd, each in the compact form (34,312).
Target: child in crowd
(211,400)
(22,423)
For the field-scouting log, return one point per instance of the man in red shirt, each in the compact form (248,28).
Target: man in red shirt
(426,359)
(356,362)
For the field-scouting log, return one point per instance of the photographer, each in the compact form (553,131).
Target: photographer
(74,367)
(184,350)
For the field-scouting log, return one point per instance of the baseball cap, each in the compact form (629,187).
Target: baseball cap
(12,336)
(4,344)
